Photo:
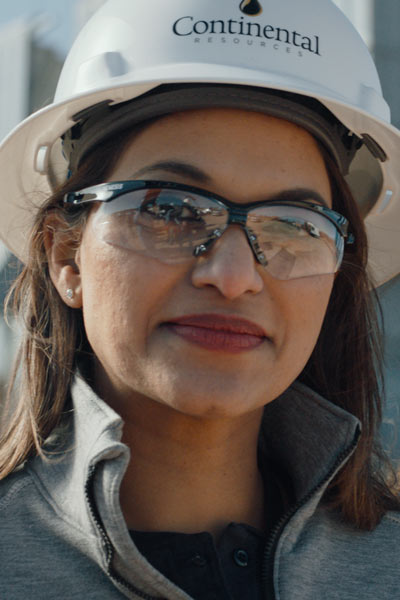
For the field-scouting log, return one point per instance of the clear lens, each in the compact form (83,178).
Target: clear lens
(296,241)
(166,224)
(170,224)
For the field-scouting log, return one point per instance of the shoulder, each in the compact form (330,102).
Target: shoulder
(15,489)
(19,500)
(392,519)
(329,527)
(23,501)
(326,554)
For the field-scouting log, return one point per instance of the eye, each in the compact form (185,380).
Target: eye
(299,226)
(172,209)
(187,212)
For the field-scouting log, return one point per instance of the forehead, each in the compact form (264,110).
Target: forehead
(239,149)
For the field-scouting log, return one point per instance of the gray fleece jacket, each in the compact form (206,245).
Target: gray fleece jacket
(62,533)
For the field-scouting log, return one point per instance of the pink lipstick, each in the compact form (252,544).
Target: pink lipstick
(219,332)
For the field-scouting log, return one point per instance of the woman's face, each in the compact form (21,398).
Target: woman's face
(152,325)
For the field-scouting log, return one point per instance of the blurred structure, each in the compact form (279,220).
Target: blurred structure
(84,10)
(361,14)
(15,56)
(389,295)
(28,76)
(387,51)
(28,73)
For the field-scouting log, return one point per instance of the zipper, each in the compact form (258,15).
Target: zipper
(272,542)
(113,575)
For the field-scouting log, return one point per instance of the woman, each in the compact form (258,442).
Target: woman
(198,391)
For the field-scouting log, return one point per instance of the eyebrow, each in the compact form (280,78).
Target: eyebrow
(299,194)
(177,168)
(187,170)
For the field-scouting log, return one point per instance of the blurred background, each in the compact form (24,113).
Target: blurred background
(35,36)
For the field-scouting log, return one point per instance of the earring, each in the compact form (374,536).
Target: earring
(70,293)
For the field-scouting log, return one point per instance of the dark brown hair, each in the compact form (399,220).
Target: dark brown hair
(344,366)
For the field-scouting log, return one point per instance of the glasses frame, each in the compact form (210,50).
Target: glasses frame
(237,212)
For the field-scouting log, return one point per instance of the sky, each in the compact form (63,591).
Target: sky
(57,18)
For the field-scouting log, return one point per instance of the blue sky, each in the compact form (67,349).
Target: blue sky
(61,27)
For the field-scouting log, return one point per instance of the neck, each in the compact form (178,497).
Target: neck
(190,474)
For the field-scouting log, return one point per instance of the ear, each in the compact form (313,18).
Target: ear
(62,253)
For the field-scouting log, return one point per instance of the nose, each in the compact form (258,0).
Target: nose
(229,266)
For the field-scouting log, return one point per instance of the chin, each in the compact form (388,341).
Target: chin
(214,407)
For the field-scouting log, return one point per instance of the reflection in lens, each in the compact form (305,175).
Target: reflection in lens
(171,226)
(164,224)
(177,224)
(296,241)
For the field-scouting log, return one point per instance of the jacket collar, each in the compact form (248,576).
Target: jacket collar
(307,436)
(89,433)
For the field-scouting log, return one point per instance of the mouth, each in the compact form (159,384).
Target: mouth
(221,333)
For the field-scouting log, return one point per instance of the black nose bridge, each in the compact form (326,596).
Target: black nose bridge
(237,216)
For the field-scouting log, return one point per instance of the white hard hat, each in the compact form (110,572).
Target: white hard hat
(131,47)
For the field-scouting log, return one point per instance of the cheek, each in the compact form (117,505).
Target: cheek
(121,296)
(304,304)
(104,300)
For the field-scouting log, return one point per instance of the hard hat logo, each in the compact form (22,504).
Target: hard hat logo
(251,7)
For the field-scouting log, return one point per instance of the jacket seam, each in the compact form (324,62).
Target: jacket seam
(393,518)
(14,490)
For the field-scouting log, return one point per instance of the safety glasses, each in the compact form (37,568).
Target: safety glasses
(174,223)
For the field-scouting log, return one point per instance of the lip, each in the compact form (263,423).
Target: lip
(216,332)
